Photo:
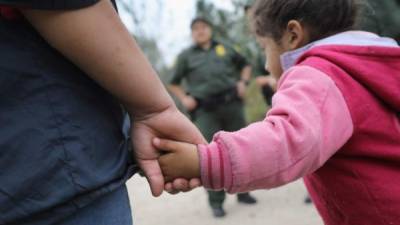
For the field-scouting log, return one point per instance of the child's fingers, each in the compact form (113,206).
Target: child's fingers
(170,189)
(165,145)
(194,183)
(181,185)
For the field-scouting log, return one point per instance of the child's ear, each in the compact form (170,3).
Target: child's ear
(296,35)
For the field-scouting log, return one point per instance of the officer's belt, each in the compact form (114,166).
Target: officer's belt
(218,99)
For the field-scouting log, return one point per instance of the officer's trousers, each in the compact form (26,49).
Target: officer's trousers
(226,117)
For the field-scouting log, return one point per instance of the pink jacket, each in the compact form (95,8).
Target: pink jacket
(316,118)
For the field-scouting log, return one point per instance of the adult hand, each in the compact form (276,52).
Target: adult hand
(189,103)
(169,124)
(262,81)
(267,80)
(241,89)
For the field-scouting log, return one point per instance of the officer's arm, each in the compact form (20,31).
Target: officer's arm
(178,75)
(243,65)
(245,74)
(95,39)
(178,91)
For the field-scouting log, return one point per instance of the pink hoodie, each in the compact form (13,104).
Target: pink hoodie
(333,120)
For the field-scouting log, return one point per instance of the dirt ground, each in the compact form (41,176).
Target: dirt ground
(283,206)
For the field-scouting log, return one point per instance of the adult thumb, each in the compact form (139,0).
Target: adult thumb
(152,171)
(166,146)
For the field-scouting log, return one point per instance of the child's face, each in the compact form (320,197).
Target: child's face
(295,36)
(272,51)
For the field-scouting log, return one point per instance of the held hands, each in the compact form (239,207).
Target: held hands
(170,124)
(180,160)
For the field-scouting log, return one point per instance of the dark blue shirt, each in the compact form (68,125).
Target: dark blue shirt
(61,140)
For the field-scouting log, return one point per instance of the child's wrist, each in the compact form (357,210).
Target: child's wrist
(215,166)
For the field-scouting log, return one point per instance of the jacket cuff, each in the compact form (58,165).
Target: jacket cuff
(215,166)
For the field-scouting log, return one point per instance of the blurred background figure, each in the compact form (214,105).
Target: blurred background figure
(264,80)
(216,77)
(382,17)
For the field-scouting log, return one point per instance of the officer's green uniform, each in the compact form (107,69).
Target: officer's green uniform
(383,18)
(211,77)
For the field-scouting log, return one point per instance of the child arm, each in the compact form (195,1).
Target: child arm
(309,122)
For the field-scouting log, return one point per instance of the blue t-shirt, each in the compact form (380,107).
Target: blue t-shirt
(61,140)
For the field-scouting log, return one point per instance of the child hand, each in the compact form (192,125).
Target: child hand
(181,160)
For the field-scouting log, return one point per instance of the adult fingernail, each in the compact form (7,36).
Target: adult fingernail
(156,141)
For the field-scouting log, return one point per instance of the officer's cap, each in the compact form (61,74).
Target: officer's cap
(248,5)
(201,20)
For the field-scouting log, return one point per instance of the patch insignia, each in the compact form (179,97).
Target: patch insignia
(220,50)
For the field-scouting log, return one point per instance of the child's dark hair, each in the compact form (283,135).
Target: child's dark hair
(321,17)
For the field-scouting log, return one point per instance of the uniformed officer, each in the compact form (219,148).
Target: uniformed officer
(65,69)
(216,76)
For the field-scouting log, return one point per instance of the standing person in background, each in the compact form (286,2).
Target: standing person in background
(382,17)
(264,80)
(216,76)
(65,69)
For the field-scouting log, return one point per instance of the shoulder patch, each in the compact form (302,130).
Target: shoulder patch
(220,50)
